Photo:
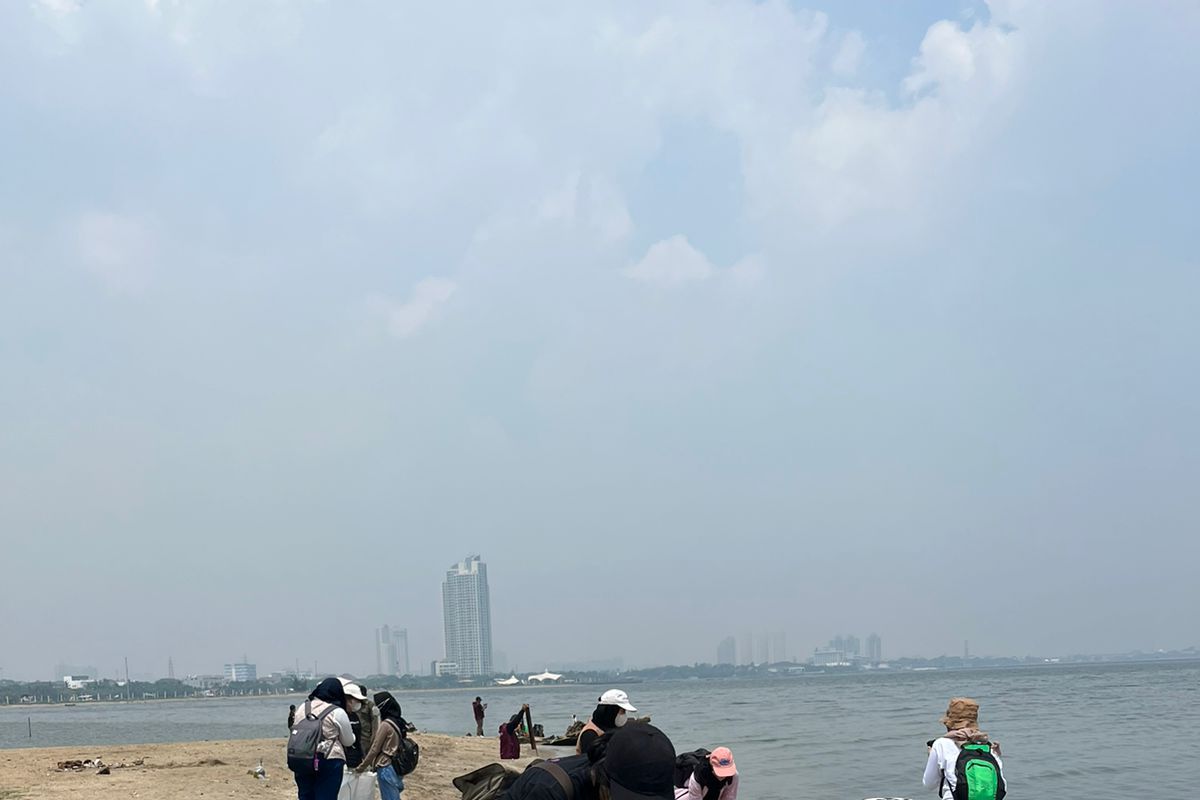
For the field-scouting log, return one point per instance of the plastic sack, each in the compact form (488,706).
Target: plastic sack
(358,786)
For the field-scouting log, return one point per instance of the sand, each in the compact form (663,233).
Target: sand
(215,770)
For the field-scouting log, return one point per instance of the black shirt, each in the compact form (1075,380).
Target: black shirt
(538,784)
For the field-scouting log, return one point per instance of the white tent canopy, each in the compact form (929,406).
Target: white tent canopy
(513,681)
(545,676)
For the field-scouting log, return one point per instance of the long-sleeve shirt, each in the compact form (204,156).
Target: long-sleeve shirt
(939,767)
(336,732)
(368,724)
(383,747)
(694,791)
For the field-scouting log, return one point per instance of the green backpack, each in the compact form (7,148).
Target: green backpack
(977,774)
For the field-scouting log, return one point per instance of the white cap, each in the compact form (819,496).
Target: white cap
(351,689)
(616,697)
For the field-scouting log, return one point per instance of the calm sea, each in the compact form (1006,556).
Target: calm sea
(1099,731)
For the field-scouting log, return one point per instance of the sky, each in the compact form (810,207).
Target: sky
(693,318)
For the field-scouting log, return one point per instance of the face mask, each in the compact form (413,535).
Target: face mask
(620,720)
(353,705)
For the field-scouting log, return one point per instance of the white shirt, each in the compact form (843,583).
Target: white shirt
(943,757)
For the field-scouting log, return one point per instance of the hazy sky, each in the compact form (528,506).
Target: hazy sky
(693,318)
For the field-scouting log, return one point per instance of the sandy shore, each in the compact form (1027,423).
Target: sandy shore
(214,770)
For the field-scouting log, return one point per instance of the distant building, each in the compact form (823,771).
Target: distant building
(764,650)
(391,651)
(441,669)
(830,658)
(727,651)
(846,644)
(400,644)
(746,650)
(778,647)
(204,681)
(467,614)
(241,672)
(874,649)
(77,681)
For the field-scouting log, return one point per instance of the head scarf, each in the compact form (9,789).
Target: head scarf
(330,690)
(389,707)
(605,717)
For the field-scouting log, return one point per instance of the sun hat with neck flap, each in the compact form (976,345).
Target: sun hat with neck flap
(963,712)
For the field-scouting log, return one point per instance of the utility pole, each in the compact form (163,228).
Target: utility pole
(127,693)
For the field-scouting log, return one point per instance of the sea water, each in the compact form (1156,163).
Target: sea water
(1067,731)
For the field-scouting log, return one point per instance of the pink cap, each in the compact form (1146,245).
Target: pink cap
(722,763)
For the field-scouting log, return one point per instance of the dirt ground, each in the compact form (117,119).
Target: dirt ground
(213,770)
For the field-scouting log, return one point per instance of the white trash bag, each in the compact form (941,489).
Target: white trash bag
(358,786)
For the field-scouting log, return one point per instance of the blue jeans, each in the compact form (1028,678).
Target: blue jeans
(390,783)
(323,784)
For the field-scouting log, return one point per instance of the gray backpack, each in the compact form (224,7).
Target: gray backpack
(302,755)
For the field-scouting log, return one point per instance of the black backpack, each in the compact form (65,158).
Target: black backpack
(687,763)
(407,754)
(302,755)
(977,774)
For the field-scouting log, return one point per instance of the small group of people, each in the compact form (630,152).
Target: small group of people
(356,733)
(619,759)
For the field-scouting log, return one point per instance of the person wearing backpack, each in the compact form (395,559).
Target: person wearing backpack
(714,778)
(316,747)
(964,764)
(387,747)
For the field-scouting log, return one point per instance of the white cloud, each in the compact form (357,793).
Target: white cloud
(671,262)
(117,249)
(60,8)
(406,319)
(747,272)
(849,55)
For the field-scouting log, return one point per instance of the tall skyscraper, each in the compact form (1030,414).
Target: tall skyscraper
(778,647)
(400,650)
(746,650)
(467,612)
(385,651)
(874,648)
(727,651)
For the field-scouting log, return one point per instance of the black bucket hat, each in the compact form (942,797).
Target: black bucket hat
(640,763)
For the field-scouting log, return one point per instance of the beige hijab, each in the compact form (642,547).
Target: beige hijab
(962,724)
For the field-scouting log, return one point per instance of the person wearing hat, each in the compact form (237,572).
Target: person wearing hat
(355,698)
(336,734)
(639,764)
(961,721)
(716,779)
(609,715)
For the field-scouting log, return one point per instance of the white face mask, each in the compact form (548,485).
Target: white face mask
(353,705)
(620,720)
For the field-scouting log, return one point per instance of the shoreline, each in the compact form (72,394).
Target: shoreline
(217,768)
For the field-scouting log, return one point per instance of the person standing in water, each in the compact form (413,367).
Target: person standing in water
(964,740)
(609,715)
